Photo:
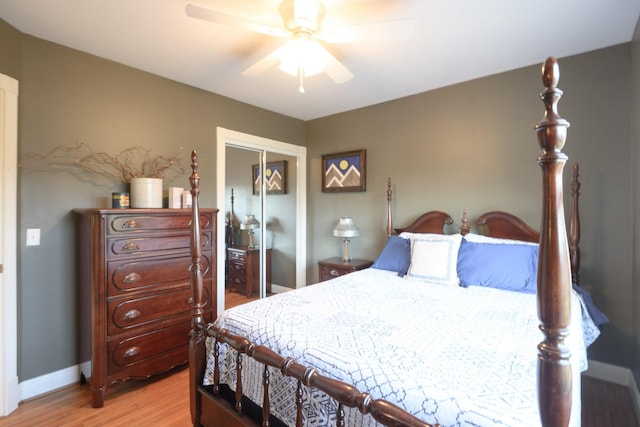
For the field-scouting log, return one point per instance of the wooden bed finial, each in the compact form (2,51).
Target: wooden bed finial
(554,274)
(464,228)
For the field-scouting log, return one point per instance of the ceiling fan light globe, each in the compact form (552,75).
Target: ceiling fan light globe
(303,54)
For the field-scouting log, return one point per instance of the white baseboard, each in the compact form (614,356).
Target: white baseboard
(617,375)
(277,289)
(49,382)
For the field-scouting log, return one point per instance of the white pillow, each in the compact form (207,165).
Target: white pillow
(434,258)
(479,238)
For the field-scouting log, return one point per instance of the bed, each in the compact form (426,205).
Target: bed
(462,353)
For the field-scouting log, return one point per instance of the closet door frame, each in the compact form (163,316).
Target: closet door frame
(231,138)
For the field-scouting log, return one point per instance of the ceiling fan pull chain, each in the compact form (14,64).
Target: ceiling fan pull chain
(301,78)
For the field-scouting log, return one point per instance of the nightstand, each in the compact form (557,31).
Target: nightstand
(333,267)
(244,269)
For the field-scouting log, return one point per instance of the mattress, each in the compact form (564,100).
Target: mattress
(450,355)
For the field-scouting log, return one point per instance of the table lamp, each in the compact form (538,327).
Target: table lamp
(250,223)
(346,229)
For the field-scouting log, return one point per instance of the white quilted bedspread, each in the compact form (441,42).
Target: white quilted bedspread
(451,355)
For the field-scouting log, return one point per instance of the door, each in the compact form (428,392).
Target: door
(8,224)
(269,210)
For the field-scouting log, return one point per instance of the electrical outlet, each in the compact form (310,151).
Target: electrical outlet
(33,237)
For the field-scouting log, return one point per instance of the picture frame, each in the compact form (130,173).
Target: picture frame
(344,172)
(276,177)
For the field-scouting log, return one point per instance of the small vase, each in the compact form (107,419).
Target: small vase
(146,193)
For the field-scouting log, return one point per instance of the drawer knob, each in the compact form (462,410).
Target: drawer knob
(132,278)
(131,352)
(334,272)
(130,224)
(130,247)
(132,315)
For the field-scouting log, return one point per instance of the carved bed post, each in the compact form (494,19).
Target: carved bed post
(554,274)
(197,340)
(574,232)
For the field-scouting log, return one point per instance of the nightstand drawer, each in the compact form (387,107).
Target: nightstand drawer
(237,257)
(327,272)
(334,267)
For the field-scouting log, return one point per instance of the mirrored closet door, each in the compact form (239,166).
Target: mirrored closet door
(261,197)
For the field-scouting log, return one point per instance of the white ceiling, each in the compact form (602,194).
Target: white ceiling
(453,41)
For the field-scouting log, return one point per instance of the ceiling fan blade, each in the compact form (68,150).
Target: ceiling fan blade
(336,70)
(269,61)
(396,30)
(210,15)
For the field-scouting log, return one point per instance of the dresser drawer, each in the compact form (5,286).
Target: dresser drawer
(149,245)
(150,309)
(129,351)
(149,223)
(135,275)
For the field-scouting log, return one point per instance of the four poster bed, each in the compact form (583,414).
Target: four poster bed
(440,331)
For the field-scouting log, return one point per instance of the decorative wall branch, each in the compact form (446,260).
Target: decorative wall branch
(133,162)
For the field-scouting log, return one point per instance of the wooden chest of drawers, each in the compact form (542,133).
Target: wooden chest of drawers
(244,269)
(333,267)
(134,291)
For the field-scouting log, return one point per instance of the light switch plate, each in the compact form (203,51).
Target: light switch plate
(33,237)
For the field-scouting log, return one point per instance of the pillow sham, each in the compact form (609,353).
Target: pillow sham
(502,266)
(480,238)
(395,256)
(434,258)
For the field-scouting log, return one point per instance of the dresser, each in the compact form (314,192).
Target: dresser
(244,269)
(333,267)
(134,291)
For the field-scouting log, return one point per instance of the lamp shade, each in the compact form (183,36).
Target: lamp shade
(346,228)
(250,222)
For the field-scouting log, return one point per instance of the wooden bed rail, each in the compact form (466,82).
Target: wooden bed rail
(345,394)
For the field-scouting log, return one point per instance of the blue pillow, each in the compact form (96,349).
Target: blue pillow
(501,266)
(396,256)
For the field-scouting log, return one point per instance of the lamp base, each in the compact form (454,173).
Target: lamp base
(345,256)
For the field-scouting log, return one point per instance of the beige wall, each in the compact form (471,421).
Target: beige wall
(472,146)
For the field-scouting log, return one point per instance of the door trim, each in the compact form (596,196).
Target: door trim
(9,394)
(226,137)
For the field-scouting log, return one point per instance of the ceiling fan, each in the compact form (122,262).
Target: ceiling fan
(304,55)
